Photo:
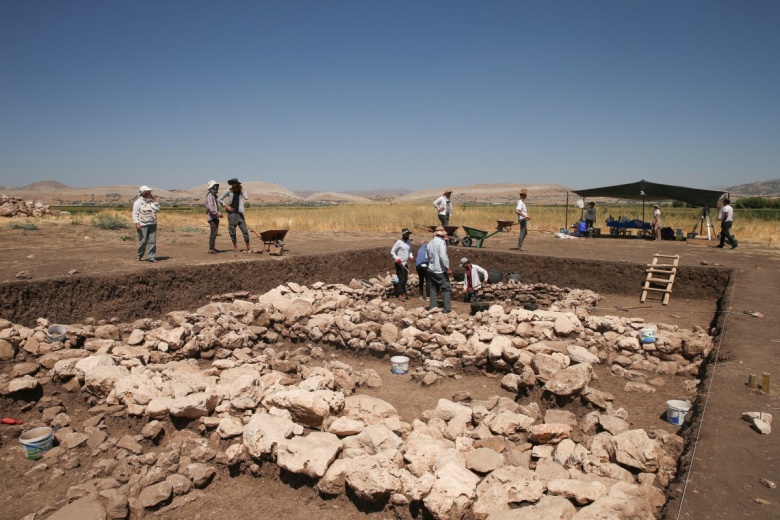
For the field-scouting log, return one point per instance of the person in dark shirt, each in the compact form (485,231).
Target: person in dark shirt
(236,196)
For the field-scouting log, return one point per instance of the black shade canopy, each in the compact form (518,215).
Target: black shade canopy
(644,190)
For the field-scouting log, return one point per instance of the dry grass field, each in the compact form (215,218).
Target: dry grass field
(750,226)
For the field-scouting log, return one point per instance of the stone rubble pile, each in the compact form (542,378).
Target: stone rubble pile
(254,400)
(15,207)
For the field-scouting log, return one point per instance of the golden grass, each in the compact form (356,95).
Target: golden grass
(391,217)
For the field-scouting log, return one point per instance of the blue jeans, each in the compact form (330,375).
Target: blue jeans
(444,219)
(440,282)
(147,236)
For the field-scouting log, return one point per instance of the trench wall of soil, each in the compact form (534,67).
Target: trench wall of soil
(159,290)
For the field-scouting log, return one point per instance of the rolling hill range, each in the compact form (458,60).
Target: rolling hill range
(260,192)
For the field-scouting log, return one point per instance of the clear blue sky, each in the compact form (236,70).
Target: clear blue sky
(355,95)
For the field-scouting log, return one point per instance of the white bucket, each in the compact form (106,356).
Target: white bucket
(37,441)
(676,411)
(399,365)
(647,336)
(56,333)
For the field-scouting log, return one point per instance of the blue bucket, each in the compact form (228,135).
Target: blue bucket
(582,227)
(37,441)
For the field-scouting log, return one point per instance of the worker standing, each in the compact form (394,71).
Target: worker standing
(402,253)
(444,206)
(439,270)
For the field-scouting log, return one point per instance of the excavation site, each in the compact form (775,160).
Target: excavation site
(297,386)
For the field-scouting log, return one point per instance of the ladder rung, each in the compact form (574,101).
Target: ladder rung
(657,290)
(659,280)
(667,256)
(661,265)
(667,271)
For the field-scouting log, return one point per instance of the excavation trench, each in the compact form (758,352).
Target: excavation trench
(158,291)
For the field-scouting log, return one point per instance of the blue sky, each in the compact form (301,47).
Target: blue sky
(359,95)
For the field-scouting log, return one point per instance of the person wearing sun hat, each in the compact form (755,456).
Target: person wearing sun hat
(145,210)
(402,254)
(236,196)
(439,270)
(656,223)
(522,218)
(212,213)
(444,206)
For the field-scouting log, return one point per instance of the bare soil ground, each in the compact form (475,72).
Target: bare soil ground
(719,474)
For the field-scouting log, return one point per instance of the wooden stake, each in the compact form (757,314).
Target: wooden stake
(751,380)
(766,384)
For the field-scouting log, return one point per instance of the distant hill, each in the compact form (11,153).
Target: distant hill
(46,186)
(767,189)
(261,192)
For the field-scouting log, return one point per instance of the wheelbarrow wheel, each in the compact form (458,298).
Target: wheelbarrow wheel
(466,241)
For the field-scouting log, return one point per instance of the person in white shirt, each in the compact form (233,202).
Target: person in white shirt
(402,255)
(472,280)
(444,206)
(439,270)
(590,215)
(726,216)
(522,218)
(145,210)
(656,223)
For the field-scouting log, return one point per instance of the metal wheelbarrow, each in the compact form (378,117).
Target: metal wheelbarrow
(452,233)
(272,237)
(476,234)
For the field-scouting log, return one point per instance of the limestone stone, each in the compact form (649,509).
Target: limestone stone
(622,502)
(310,455)
(86,508)
(548,508)
(371,440)
(571,380)
(613,425)
(344,426)
(129,443)
(580,354)
(579,492)
(636,450)
(452,493)
(180,485)
(116,503)
(193,406)
(504,487)
(100,380)
(373,478)
(264,431)
(154,495)
(307,408)
(484,460)
(551,433)
(201,474)
(229,427)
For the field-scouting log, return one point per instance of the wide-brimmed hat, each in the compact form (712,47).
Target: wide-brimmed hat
(233,181)
(464,261)
(211,184)
(440,232)
(406,231)
(447,191)
(656,206)
(523,192)
(144,189)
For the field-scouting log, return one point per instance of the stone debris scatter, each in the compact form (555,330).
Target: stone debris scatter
(228,368)
(16,207)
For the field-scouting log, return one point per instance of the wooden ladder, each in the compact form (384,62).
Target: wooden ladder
(656,272)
